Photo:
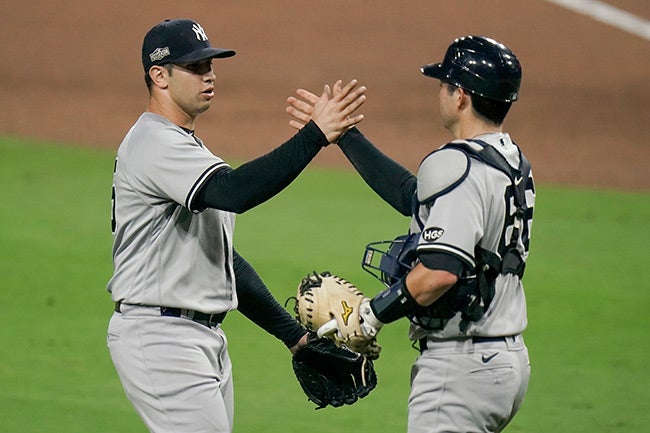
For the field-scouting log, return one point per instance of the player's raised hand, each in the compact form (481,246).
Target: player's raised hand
(333,111)
(300,110)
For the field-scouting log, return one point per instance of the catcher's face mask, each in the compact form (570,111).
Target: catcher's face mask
(388,261)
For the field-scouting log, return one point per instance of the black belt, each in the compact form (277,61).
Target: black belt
(475,340)
(204,319)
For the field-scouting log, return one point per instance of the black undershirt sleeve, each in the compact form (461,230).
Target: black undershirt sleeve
(445,262)
(258,304)
(391,181)
(238,190)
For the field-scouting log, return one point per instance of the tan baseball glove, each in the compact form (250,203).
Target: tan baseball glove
(329,305)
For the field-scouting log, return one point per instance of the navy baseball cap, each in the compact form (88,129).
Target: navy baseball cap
(178,41)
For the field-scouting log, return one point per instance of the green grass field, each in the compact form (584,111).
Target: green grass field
(587,284)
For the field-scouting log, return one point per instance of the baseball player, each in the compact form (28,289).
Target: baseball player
(471,205)
(176,272)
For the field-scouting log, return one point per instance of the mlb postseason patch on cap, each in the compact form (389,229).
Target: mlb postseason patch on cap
(159,54)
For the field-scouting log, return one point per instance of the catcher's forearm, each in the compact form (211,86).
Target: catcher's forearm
(393,303)
(259,305)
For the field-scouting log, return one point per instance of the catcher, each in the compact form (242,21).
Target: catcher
(335,367)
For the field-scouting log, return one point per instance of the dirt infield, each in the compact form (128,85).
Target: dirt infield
(71,72)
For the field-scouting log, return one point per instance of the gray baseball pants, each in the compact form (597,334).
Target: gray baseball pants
(176,372)
(467,386)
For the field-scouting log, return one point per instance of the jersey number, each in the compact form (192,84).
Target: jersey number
(511,224)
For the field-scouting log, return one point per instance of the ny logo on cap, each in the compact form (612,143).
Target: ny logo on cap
(200,33)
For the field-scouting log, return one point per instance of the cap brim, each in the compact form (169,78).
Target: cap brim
(433,70)
(205,53)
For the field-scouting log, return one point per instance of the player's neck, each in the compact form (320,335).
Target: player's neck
(172,113)
(466,130)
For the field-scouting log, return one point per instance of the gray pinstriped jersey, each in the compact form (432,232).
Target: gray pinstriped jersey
(474,213)
(163,252)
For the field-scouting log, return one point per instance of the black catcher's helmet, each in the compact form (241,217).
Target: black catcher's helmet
(479,65)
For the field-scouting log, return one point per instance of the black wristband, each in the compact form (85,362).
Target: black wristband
(394,303)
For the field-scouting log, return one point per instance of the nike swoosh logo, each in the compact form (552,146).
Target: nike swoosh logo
(518,180)
(487,359)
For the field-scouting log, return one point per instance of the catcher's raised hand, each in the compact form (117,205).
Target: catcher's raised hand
(332,305)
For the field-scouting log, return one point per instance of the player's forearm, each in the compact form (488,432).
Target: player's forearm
(258,180)
(259,305)
(390,180)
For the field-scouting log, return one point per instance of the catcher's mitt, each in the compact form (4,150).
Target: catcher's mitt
(332,375)
(325,297)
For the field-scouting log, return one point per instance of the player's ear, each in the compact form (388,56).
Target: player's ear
(159,76)
(464,100)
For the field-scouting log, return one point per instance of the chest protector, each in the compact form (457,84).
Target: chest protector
(473,293)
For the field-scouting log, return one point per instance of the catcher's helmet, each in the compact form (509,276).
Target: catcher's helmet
(479,65)
(388,261)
